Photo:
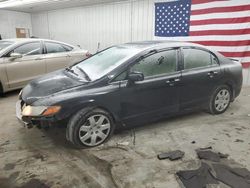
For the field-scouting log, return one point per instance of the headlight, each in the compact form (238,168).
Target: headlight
(40,110)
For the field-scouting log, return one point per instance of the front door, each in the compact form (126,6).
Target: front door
(158,93)
(22,70)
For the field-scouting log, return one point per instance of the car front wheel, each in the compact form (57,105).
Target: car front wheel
(220,100)
(90,128)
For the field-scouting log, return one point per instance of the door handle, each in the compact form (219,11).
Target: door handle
(39,58)
(211,74)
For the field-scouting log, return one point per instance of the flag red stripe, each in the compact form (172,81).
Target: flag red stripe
(220,32)
(220,9)
(236,54)
(204,1)
(224,43)
(246,65)
(220,21)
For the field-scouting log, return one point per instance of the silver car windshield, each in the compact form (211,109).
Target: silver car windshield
(5,44)
(104,62)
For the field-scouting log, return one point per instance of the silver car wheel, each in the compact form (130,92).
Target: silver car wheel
(222,100)
(95,130)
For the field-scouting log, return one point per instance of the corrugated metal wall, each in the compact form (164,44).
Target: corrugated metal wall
(107,24)
(10,20)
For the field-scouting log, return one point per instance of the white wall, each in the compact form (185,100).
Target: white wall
(10,20)
(109,24)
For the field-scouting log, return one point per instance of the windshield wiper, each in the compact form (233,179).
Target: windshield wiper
(85,74)
(71,70)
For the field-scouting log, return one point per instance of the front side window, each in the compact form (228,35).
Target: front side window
(33,48)
(54,47)
(195,58)
(157,64)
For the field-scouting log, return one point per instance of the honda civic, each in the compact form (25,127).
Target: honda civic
(128,84)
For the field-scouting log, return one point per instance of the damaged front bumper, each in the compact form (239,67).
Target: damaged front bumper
(19,107)
(29,122)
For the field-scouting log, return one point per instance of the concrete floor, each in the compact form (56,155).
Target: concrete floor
(36,158)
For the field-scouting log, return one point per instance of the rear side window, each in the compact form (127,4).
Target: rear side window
(157,64)
(52,47)
(33,48)
(68,48)
(195,58)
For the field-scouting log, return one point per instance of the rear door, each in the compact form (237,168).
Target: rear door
(22,70)
(200,75)
(56,56)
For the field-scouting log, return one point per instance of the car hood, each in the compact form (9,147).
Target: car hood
(49,84)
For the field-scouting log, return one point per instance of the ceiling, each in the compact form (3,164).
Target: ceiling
(31,6)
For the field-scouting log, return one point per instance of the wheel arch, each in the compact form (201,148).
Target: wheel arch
(230,84)
(90,105)
(73,126)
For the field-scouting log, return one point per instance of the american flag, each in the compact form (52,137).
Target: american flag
(222,25)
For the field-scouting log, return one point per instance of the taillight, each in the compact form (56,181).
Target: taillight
(88,54)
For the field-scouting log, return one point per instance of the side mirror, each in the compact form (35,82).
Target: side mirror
(135,76)
(15,56)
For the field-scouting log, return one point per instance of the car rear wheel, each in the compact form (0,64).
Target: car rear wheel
(220,100)
(90,128)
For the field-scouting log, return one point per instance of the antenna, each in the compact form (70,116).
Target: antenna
(98,47)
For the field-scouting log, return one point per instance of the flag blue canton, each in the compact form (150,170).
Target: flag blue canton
(172,18)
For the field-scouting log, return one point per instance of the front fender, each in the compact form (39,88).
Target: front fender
(70,110)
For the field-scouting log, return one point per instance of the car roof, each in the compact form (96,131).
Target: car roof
(160,44)
(24,40)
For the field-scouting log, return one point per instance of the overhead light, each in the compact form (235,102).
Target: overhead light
(15,3)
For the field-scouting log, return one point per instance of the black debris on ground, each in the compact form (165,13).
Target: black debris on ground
(210,155)
(235,178)
(239,140)
(197,178)
(214,170)
(172,155)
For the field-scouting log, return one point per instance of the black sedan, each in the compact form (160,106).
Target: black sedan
(127,84)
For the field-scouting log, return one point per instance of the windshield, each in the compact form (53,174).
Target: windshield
(102,63)
(4,44)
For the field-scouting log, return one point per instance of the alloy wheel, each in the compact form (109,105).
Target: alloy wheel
(222,100)
(95,130)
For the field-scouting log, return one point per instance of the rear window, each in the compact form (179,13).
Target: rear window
(5,44)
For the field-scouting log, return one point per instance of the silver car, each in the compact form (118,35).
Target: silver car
(22,60)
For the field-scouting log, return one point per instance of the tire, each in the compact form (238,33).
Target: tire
(90,128)
(220,100)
